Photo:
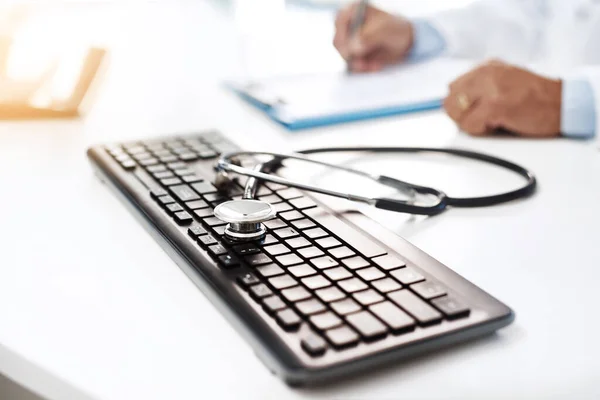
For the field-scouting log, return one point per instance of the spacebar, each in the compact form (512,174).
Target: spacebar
(350,235)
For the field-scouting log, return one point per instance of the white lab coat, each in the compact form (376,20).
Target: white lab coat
(560,36)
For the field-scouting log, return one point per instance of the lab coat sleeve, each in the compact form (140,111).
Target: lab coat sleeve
(507,29)
(578,110)
(592,74)
(428,42)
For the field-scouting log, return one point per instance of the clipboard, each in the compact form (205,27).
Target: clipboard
(316,100)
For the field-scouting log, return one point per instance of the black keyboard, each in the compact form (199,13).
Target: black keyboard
(319,297)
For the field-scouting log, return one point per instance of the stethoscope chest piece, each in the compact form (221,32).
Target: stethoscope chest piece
(245,218)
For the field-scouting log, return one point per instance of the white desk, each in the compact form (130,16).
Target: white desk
(91,307)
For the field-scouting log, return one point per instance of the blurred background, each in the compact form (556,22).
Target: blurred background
(259,37)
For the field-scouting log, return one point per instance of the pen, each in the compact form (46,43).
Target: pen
(357,22)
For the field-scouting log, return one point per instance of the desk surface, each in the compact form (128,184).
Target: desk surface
(91,307)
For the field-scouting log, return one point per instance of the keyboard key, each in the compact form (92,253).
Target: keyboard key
(191,178)
(395,318)
(183,218)
(247,280)
(303,224)
(370,274)
(336,274)
(328,242)
(246,249)
(290,193)
(275,186)
(168,159)
(183,172)
(163,175)
(282,282)
(352,237)
(164,200)
(128,165)
(288,260)
(310,252)
(429,289)
(302,203)
(344,307)
(183,193)
(207,154)
(275,224)
(156,168)
(269,270)
(269,239)
(196,230)
(313,344)
(352,285)
(228,261)
(217,250)
(330,294)
(281,207)
(342,337)
(213,221)
(323,262)
(260,291)
(297,243)
(315,233)
(419,309)
(173,208)
(341,252)
(309,307)
(369,327)
(367,297)
(204,187)
(284,233)
(295,294)
(162,152)
(291,215)
(272,304)
(258,259)
(204,212)
(196,205)
(158,192)
(316,282)
(389,262)
(451,307)
(148,162)
(300,271)
(276,249)
(170,181)
(271,199)
(206,240)
(176,165)
(288,319)
(386,285)
(326,320)
(188,156)
(407,276)
(137,150)
(219,230)
(180,150)
(215,198)
(355,262)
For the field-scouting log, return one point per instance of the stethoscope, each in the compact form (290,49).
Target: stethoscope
(245,217)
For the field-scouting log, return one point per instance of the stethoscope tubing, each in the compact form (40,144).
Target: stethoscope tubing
(263,172)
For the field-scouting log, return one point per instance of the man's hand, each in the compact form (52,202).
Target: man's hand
(500,96)
(382,40)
